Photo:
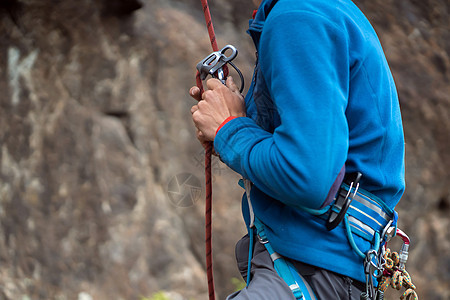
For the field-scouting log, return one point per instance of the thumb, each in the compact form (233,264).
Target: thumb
(194,92)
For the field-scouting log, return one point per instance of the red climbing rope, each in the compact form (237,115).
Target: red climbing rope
(208,153)
(208,222)
(208,183)
(209,25)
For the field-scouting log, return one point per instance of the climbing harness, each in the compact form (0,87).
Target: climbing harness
(365,215)
(215,65)
(361,214)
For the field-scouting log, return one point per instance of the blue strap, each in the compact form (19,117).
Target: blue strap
(298,285)
(250,255)
(308,293)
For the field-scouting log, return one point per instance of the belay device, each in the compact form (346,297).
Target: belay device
(214,65)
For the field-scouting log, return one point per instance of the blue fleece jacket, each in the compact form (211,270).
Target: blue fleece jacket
(322,95)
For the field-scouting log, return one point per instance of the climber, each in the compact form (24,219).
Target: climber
(322,104)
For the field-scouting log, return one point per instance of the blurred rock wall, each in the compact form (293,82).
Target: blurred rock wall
(98,152)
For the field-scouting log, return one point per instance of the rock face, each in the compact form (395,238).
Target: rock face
(95,136)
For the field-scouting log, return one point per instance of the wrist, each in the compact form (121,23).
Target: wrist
(225,122)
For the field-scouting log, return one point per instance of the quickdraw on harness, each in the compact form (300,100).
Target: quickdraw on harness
(394,272)
(215,65)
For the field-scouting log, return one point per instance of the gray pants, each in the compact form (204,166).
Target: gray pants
(267,285)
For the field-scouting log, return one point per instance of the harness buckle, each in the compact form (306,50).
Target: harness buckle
(342,203)
(262,239)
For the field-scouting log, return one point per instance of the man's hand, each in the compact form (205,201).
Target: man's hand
(215,105)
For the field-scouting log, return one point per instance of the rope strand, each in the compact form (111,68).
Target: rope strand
(209,25)
(208,153)
(208,222)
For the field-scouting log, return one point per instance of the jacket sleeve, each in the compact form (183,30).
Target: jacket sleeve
(304,61)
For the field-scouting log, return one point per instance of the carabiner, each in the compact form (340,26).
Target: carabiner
(342,203)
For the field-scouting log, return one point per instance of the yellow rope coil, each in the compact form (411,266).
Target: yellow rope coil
(396,278)
(407,283)
(384,283)
(389,264)
(409,294)
(396,258)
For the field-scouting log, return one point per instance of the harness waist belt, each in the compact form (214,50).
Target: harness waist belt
(366,214)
